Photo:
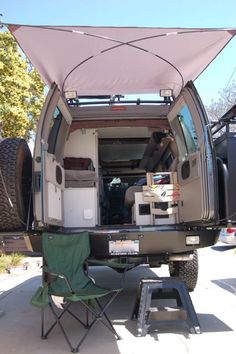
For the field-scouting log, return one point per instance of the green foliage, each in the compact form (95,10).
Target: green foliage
(227,98)
(11,260)
(21,90)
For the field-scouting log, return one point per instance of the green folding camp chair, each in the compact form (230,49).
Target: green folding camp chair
(65,276)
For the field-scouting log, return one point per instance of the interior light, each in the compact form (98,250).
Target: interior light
(70,94)
(166,93)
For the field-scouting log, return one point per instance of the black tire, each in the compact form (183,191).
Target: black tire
(186,270)
(15,183)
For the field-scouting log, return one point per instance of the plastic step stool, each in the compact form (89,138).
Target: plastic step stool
(163,288)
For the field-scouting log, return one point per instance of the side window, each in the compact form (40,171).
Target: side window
(54,130)
(185,133)
(188,128)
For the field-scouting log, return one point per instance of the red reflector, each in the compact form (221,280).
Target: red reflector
(118,108)
(230,230)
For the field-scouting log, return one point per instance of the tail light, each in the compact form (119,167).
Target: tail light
(230,230)
(118,108)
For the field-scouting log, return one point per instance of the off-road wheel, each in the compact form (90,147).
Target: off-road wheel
(186,270)
(15,184)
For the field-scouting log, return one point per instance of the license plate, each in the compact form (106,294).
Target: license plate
(124,247)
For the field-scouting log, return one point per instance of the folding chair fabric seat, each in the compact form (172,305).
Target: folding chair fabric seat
(90,292)
(119,267)
(64,258)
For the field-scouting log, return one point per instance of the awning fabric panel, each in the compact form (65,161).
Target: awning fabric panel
(119,60)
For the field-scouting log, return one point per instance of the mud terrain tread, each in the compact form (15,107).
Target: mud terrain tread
(186,270)
(16,165)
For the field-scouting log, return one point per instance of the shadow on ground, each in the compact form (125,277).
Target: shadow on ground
(22,320)
(226,284)
(223,248)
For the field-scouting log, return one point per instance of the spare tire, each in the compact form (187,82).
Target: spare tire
(15,184)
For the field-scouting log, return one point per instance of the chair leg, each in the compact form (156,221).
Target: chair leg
(42,323)
(87,318)
(58,317)
(76,349)
(78,319)
(57,321)
(103,313)
(98,317)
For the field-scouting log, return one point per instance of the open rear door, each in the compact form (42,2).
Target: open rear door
(196,161)
(49,173)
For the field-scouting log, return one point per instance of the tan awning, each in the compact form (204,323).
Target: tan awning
(119,60)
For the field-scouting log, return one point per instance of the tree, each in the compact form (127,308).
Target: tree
(21,90)
(227,98)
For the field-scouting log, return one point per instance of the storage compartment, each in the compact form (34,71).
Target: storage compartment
(162,192)
(80,207)
(141,210)
(54,197)
(53,190)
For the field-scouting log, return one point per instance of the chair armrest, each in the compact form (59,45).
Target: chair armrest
(59,275)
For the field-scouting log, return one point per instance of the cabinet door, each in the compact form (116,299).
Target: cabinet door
(54,182)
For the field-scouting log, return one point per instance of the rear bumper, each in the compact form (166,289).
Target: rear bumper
(149,243)
(13,242)
(152,242)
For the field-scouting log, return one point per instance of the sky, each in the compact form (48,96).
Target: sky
(148,13)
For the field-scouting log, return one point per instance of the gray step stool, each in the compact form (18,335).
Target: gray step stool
(163,288)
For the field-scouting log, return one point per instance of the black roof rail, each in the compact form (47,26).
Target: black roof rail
(229,115)
(228,118)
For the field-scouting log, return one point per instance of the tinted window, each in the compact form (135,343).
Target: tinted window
(188,129)
(55,126)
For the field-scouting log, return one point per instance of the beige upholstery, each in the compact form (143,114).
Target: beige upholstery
(129,195)
(78,179)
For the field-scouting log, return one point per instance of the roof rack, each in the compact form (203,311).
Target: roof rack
(223,124)
(110,100)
